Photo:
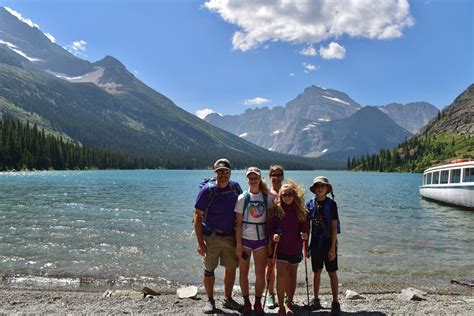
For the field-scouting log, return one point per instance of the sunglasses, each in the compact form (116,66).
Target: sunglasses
(222,171)
(291,194)
(277,175)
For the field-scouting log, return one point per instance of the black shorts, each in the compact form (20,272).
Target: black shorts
(290,259)
(319,256)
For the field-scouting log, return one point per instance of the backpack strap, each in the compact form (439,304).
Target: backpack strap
(212,194)
(328,203)
(246,214)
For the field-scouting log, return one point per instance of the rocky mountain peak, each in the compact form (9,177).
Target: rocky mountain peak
(458,118)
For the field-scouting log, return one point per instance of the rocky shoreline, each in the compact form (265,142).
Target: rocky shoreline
(23,299)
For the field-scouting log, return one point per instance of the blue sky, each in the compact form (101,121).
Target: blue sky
(229,56)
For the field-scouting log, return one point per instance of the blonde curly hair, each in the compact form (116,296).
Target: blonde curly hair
(298,201)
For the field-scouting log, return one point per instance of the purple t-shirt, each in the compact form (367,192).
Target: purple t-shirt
(220,214)
(291,228)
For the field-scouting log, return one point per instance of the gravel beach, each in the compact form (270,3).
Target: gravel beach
(22,299)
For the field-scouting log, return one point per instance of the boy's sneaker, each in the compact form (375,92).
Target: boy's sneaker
(335,308)
(247,309)
(209,307)
(271,303)
(230,303)
(257,308)
(315,305)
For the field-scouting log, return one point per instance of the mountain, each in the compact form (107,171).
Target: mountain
(33,45)
(103,105)
(456,119)
(278,127)
(366,131)
(449,136)
(411,116)
(322,123)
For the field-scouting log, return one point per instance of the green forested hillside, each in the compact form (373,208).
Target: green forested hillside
(25,147)
(449,136)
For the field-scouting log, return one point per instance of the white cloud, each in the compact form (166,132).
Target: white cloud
(308,67)
(308,51)
(205,112)
(309,21)
(333,51)
(292,74)
(50,37)
(77,48)
(79,45)
(21,18)
(256,101)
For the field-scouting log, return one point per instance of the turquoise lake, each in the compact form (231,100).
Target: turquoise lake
(135,226)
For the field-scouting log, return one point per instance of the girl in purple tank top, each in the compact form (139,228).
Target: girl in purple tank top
(288,226)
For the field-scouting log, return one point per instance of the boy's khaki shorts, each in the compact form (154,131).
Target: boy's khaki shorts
(220,250)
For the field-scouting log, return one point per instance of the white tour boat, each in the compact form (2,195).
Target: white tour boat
(452,183)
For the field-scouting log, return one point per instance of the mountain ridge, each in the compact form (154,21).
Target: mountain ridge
(284,129)
(107,107)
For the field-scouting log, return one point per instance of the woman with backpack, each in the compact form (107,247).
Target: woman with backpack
(277,176)
(251,212)
(288,226)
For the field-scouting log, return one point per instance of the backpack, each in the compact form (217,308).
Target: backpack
(246,204)
(212,185)
(326,209)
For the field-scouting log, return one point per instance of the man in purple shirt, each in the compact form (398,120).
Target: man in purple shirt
(214,224)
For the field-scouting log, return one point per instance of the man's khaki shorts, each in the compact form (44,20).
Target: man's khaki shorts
(220,250)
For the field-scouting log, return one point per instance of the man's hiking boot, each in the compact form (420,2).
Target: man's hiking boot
(335,308)
(247,309)
(230,303)
(209,307)
(271,303)
(315,305)
(257,308)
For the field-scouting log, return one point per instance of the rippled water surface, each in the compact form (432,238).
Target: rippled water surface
(137,225)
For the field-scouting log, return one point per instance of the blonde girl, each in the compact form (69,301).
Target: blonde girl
(288,226)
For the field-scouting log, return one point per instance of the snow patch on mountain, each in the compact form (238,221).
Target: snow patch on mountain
(19,52)
(336,99)
(310,126)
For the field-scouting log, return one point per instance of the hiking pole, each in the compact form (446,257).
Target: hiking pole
(269,273)
(306,272)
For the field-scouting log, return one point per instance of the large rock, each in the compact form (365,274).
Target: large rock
(412,294)
(187,292)
(352,295)
(124,293)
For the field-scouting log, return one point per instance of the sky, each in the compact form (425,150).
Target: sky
(227,56)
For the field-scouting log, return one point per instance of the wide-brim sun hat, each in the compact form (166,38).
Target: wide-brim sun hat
(222,164)
(322,180)
(253,170)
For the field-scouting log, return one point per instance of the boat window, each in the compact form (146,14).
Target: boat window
(436,177)
(444,176)
(428,179)
(455,176)
(468,175)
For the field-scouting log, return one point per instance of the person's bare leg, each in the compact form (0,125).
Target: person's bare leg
(316,282)
(291,283)
(229,280)
(334,285)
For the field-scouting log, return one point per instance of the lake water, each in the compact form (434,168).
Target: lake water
(135,226)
